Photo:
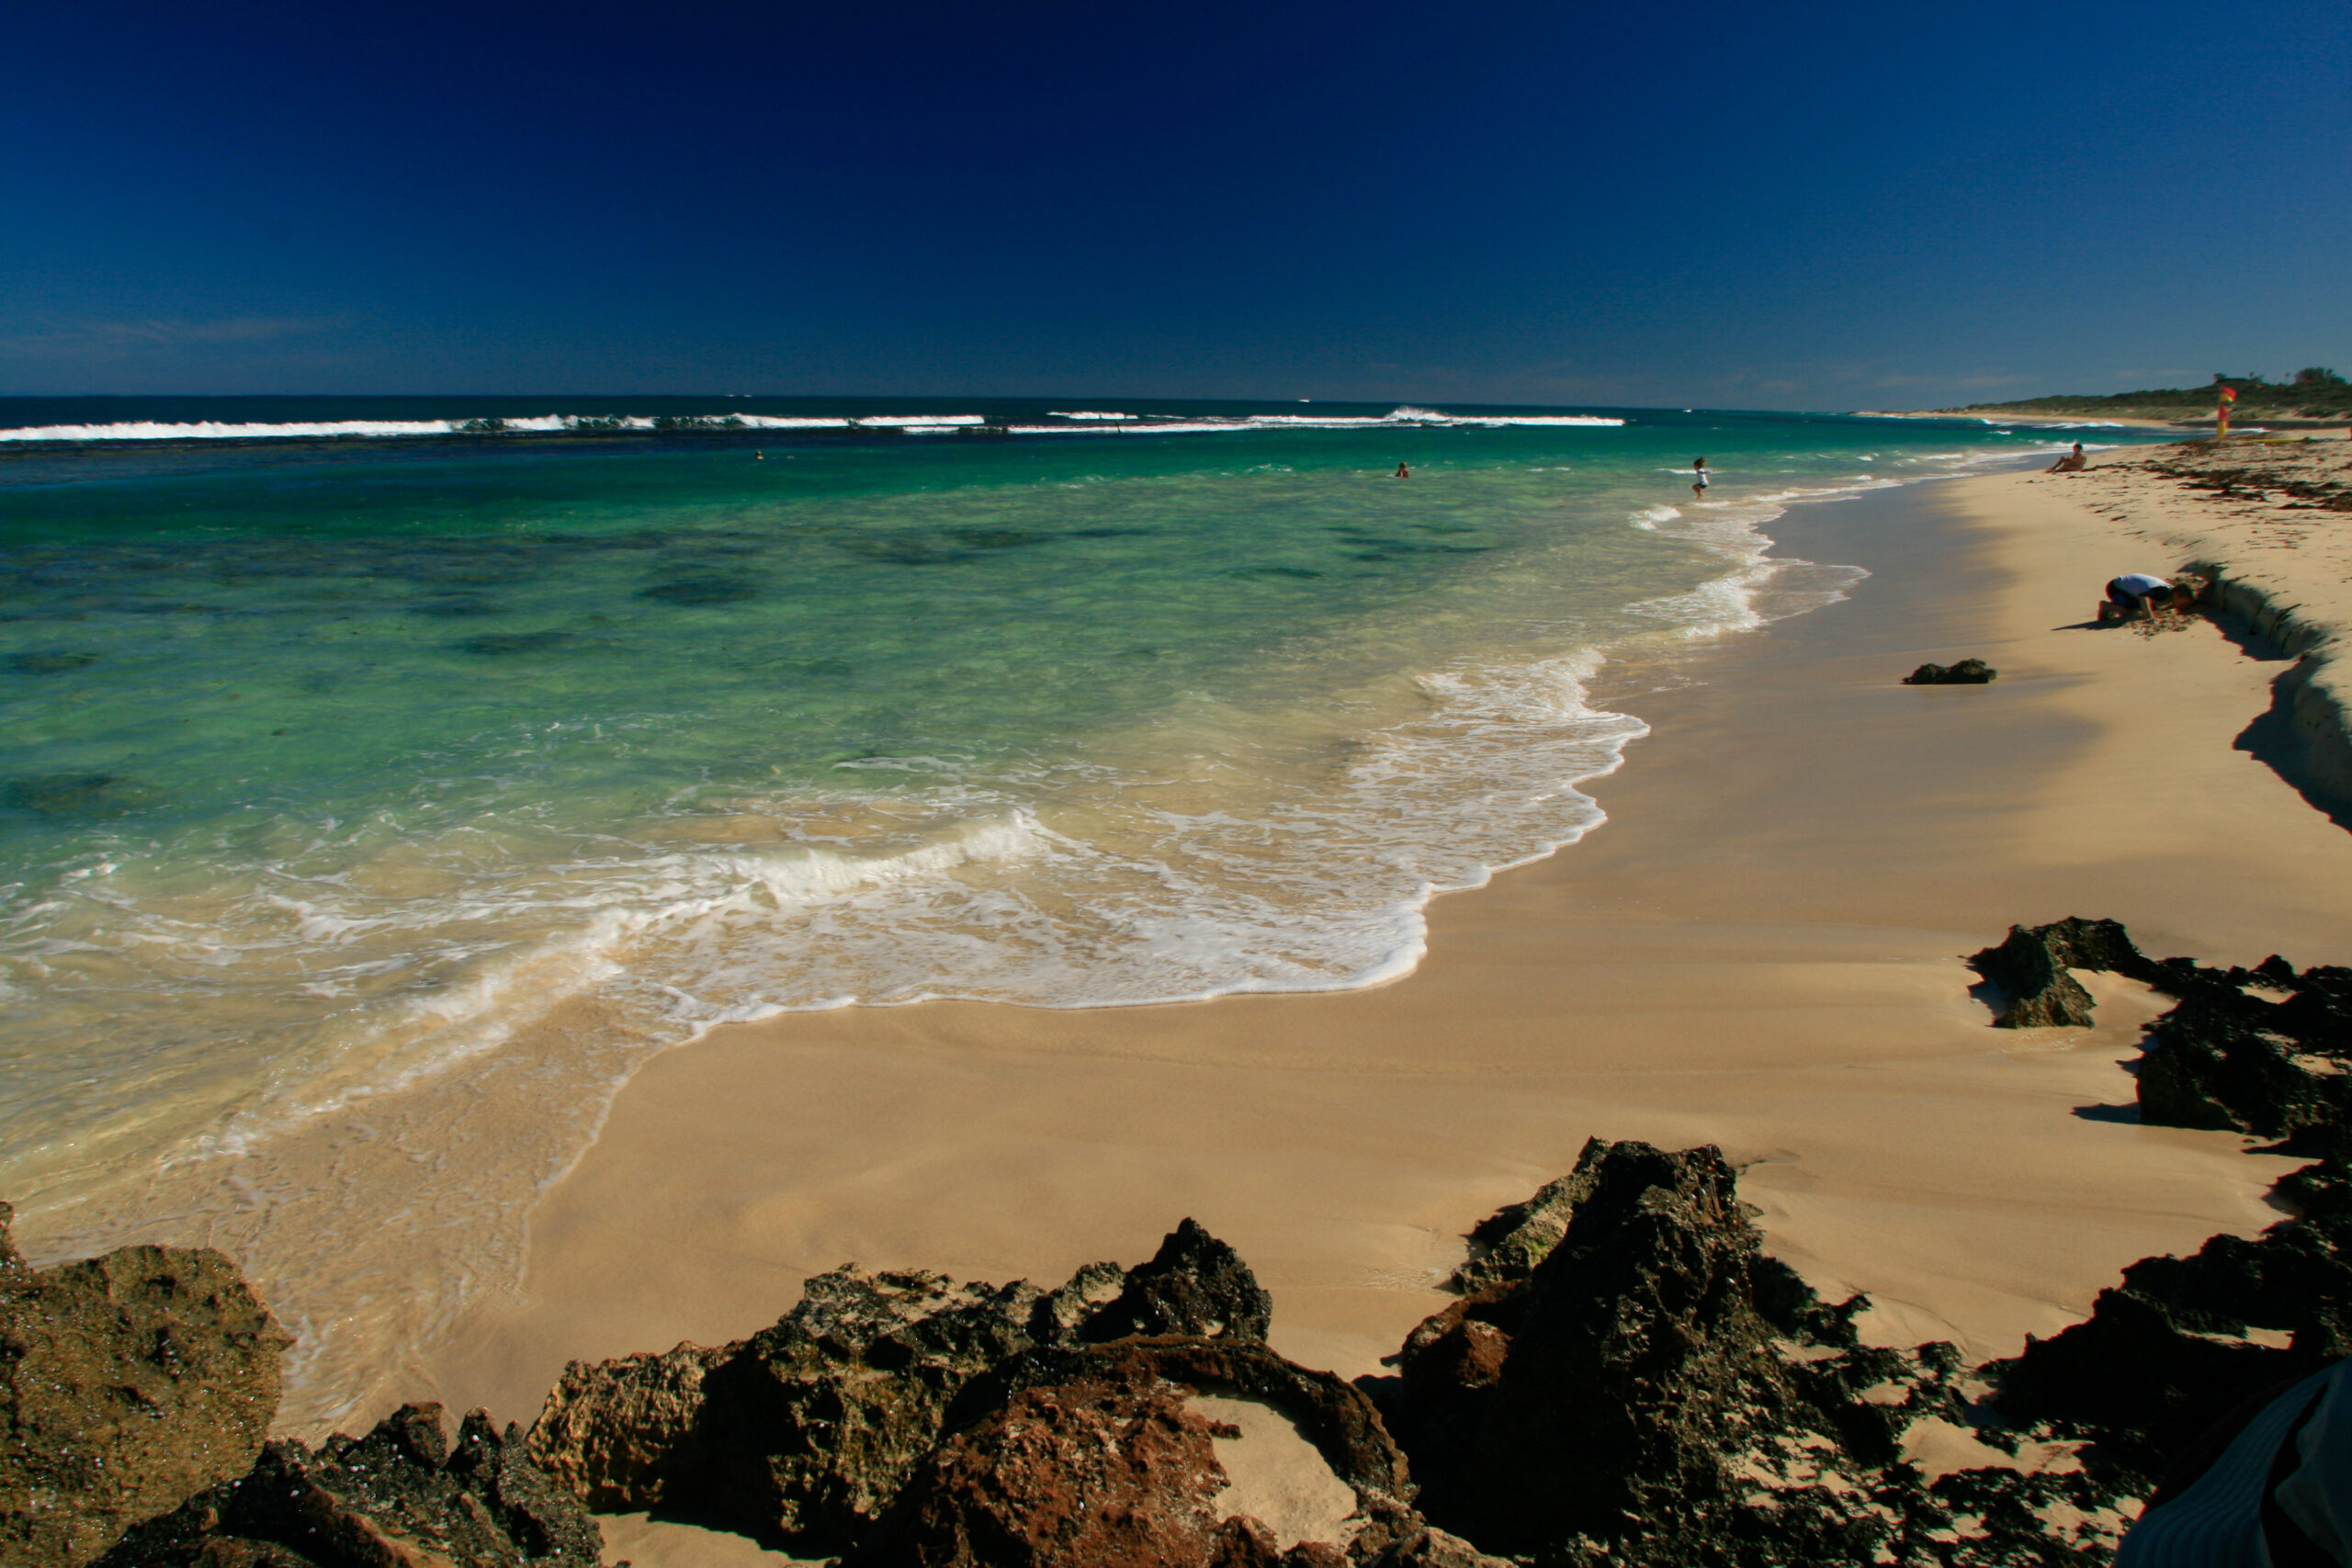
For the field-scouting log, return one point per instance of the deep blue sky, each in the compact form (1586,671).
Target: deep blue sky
(1816,206)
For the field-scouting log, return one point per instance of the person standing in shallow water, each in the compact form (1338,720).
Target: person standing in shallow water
(1402,472)
(1699,478)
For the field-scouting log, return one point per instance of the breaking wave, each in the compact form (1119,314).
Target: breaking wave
(1080,422)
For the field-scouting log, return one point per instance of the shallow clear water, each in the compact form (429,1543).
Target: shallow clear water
(335,768)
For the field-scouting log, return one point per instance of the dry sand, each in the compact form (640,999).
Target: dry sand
(1761,949)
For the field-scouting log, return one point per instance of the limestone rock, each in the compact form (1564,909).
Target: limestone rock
(1638,1358)
(1430,1547)
(2173,1347)
(401,1497)
(1194,1284)
(2029,967)
(802,1434)
(1967,673)
(1630,1402)
(127,1382)
(2226,1057)
(1093,1458)
(1510,1243)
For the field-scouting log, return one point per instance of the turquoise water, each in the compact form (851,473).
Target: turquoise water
(341,768)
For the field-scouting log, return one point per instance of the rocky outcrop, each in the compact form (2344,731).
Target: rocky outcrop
(2029,969)
(1430,1547)
(1194,1284)
(2264,1051)
(2178,1345)
(401,1497)
(1093,1458)
(800,1434)
(1657,1393)
(1967,673)
(1507,1243)
(127,1382)
(1634,1362)
(2182,1341)
(803,1434)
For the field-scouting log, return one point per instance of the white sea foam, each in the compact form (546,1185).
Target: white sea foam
(631,903)
(555,424)
(1559,419)
(212,431)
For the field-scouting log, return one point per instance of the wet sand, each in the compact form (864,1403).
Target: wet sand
(1760,949)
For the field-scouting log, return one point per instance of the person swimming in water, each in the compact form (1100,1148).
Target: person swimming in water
(1699,478)
(1402,472)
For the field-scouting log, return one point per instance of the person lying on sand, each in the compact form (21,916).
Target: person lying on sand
(2072,463)
(2135,592)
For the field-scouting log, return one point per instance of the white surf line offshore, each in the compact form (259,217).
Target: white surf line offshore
(1081,423)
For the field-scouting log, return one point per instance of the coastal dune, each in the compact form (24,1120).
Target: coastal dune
(1761,949)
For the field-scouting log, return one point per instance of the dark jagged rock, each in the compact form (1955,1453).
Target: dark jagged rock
(2181,1341)
(2176,1345)
(1788,1305)
(1093,1457)
(1967,673)
(2277,1064)
(2225,1057)
(1448,1371)
(802,1434)
(1194,1284)
(1509,1243)
(1656,1393)
(1639,1358)
(127,1382)
(2029,967)
(401,1497)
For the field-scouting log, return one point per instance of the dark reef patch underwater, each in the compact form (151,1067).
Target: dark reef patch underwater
(1627,1380)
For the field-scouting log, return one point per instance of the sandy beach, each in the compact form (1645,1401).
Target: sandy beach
(1761,949)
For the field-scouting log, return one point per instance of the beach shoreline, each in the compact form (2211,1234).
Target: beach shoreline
(1760,949)
(1993,415)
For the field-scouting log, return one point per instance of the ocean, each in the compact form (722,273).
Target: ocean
(368,759)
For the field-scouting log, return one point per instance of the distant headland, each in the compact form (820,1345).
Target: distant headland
(2315,395)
